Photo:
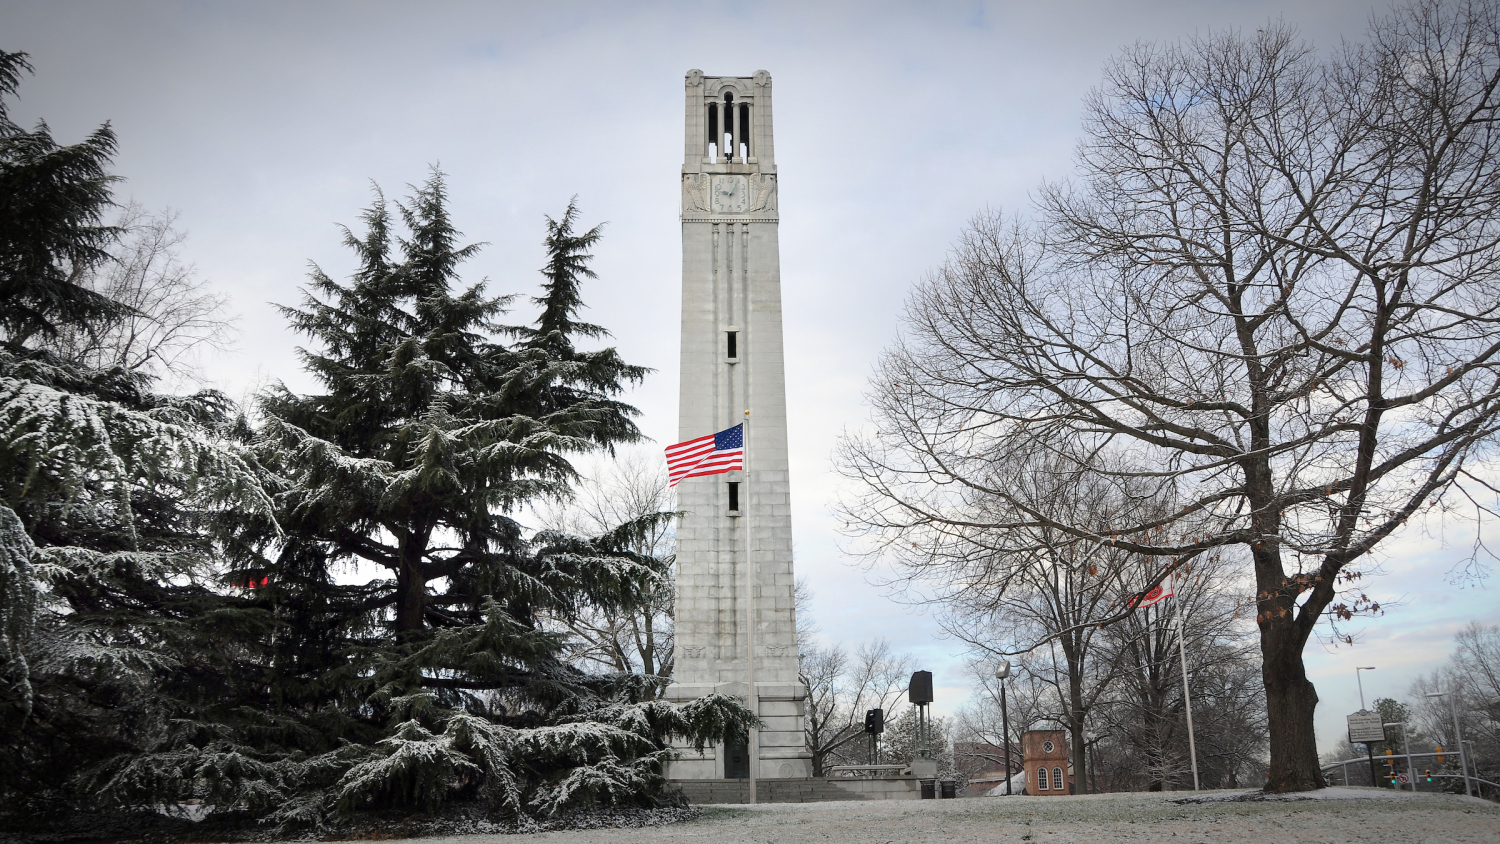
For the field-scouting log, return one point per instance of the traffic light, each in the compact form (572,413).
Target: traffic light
(1428,772)
(1439,750)
(1390,761)
(874,722)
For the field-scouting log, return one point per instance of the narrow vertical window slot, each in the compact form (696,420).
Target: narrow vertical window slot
(713,131)
(728,131)
(734,497)
(732,345)
(744,133)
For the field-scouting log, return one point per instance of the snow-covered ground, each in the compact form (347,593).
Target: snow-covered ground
(1354,815)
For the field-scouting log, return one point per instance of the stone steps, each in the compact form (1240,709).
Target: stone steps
(792,790)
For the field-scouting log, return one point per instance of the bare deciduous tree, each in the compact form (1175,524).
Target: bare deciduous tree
(979,727)
(1472,675)
(169,314)
(1143,724)
(624,489)
(840,690)
(1006,590)
(1275,284)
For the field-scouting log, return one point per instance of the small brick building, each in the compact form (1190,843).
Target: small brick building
(1045,755)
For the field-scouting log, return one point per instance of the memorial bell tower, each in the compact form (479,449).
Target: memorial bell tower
(735,612)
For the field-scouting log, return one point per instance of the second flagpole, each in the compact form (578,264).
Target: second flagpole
(1187,698)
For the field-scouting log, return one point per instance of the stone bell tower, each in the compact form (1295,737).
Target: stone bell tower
(734,541)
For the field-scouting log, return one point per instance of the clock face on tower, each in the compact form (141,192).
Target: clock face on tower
(731,194)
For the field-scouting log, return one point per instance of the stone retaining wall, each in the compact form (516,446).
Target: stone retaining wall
(799,790)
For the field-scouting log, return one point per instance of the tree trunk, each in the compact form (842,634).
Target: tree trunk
(1076,728)
(1290,696)
(411,583)
(1290,703)
(411,595)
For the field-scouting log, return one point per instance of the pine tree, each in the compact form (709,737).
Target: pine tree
(109,498)
(52,203)
(173,625)
(443,679)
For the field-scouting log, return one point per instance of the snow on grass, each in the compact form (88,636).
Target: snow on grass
(1338,792)
(1333,816)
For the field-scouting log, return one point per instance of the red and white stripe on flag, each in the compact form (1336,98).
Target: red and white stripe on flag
(711,454)
(1162,592)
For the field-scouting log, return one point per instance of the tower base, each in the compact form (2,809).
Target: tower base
(783,753)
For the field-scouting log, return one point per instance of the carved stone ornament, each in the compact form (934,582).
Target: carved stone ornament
(765,193)
(731,194)
(777,650)
(720,84)
(694,652)
(695,192)
(695,77)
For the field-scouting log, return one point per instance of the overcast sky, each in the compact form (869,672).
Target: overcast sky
(264,124)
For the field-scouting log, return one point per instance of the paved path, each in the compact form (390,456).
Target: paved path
(1342,815)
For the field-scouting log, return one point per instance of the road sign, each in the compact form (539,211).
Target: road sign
(1365,727)
(1404,780)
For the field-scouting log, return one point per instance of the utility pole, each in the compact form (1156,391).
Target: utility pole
(1411,773)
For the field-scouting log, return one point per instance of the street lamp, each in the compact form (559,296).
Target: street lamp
(1361,684)
(1002,671)
(1369,751)
(1463,759)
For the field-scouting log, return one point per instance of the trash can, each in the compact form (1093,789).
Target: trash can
(928,789)
(950,789)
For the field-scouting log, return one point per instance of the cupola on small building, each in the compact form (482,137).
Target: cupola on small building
(1045,756)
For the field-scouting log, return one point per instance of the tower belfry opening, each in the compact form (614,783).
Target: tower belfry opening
(728,121)
(735,607)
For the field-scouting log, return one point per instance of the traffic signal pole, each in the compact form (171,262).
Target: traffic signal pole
(1411,773)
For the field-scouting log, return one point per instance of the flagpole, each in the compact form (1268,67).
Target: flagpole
(753,745)
(1187,700)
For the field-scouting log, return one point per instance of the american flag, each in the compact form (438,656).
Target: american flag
(711,454)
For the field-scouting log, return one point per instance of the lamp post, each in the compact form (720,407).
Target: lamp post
(1369,751)
(1463,760)
(1362,684)
(1002,671)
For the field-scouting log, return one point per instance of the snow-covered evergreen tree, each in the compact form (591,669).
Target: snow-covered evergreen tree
(52,203)
(172,626)
(440,679)
(113,609)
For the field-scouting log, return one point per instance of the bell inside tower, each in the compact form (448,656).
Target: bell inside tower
(728,130)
